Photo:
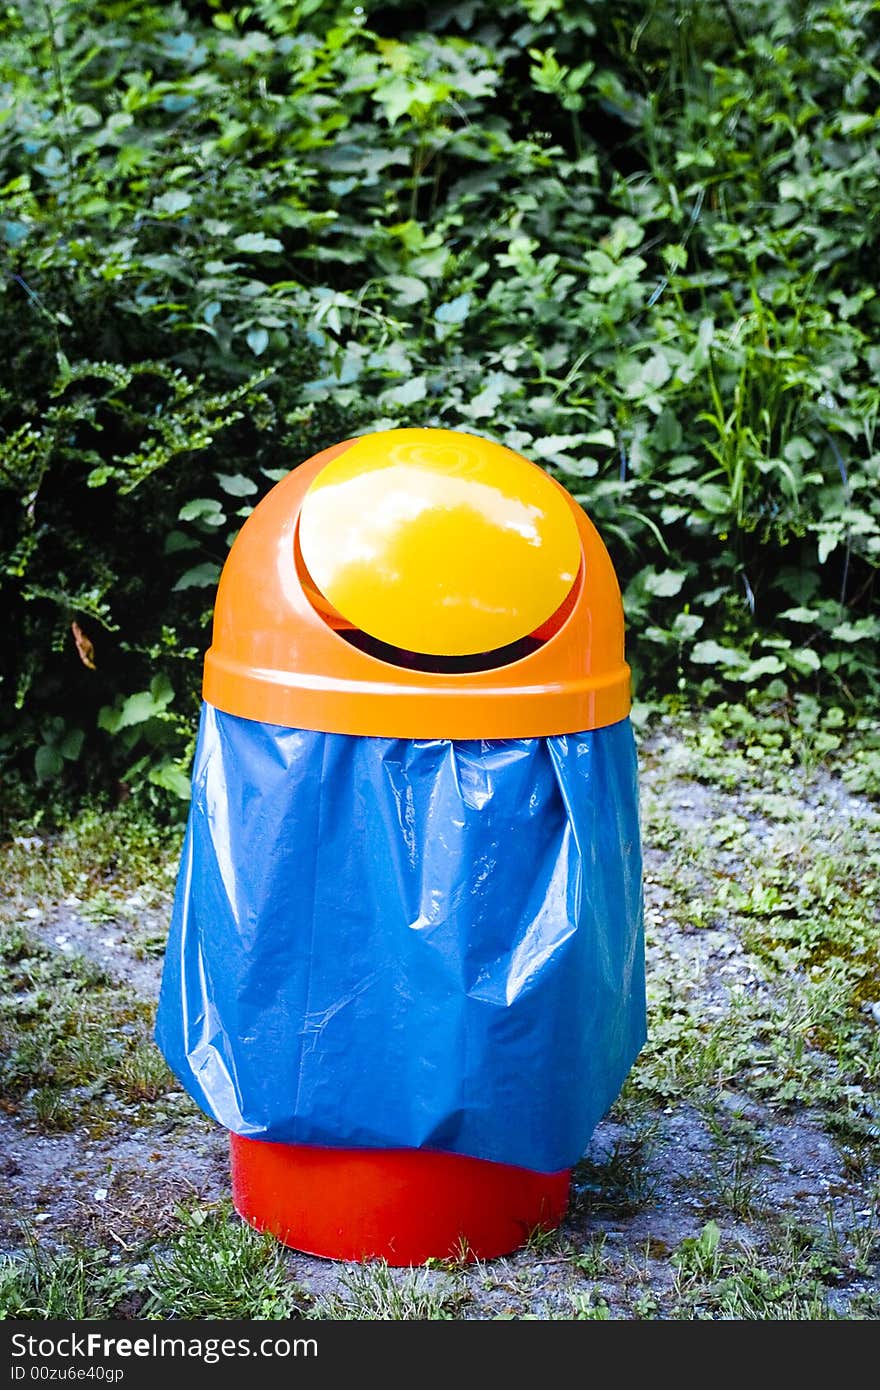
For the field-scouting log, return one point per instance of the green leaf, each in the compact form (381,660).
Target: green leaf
(485,403)
(199,577)
(146,704)
(178,540)
(709,1238)
(764,666)
(454,310)
(711,653)
(800,615)
(169,204)
(173,779)
(407,289)
(803,660)
(408,393)
(48,762)
(686,625)
(798,449)
(581,467)
(137,709)
(108,718)
(603,437)
(256,242)
(656,371)
(549,445)
(100,475)
(258,340)
(402,95)
(665,584)
(207,508)
(828,541)
(70,746)
(15,232)
(236,484)
(864,629)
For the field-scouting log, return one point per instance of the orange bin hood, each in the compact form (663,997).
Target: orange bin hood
(419,583)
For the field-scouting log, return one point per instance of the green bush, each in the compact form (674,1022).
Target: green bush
(636,244)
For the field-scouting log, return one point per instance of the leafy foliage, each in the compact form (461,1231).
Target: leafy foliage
(635,244)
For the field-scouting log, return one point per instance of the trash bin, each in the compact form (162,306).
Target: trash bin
(405,967)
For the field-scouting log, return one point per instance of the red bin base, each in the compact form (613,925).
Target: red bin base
(401,1205)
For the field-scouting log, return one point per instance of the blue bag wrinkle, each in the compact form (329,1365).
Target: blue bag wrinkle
(423,943)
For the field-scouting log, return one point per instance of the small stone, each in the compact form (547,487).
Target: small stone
(100,1194)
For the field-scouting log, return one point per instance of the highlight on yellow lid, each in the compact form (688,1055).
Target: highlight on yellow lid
(439,542)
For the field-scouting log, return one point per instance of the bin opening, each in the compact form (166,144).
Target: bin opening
(433,661)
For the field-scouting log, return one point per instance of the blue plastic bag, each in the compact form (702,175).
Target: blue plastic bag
(397,943)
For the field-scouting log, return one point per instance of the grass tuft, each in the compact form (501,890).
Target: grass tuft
(219,1267)
(375,1291)
(65,1286)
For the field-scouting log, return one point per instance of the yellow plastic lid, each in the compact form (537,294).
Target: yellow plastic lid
(439,542)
